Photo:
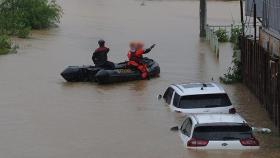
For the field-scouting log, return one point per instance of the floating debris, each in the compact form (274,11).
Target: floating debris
(174,129)
(159,97)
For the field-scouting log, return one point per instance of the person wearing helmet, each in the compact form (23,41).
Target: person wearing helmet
(100,58)
(135,56)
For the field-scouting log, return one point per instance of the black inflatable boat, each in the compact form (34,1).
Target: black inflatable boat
(121,73)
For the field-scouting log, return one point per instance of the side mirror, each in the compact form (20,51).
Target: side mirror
(174,129)
(159,97)
(261,130)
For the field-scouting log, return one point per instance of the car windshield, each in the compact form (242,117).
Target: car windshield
(204,101)
(223,132)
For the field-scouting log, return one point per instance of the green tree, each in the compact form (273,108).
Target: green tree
(5,44)
(18,17)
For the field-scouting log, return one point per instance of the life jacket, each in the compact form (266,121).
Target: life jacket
(99,56)
(135,56)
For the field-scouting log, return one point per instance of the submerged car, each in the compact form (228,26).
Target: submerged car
(217,131)
(198,98)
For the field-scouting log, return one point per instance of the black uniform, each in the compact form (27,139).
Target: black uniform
(100,59)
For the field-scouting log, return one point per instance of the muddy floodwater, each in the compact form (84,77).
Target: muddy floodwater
(42,116)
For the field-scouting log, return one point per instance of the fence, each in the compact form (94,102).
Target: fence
(213,39)
(260,72)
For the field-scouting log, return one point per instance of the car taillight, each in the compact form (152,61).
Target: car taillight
(194,142)
(232,111)
(249,142)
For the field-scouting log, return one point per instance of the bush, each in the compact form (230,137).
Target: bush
(24,32)
(222,35)
(5,44)
(18,17)
(234,73)
(235,32)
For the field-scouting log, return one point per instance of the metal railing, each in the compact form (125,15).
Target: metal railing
(213,39)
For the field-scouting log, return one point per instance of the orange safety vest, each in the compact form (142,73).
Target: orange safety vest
(135,56)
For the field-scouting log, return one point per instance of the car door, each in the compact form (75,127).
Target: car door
(186,130)
(175,103)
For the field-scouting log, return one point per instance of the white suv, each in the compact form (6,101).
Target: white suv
(198,98)
(217,131)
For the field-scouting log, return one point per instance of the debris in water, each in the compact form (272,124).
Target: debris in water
(159,97)
(174,129)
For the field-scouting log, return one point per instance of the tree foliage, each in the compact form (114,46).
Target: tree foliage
(18,17)
(5,44)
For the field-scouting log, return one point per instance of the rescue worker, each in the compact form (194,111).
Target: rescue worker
(100,58)
(135,56)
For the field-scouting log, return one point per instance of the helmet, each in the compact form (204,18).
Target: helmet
(101,42)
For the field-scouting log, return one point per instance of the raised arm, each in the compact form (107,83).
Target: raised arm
(149,49)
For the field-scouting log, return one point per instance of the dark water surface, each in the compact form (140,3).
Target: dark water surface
(42,116)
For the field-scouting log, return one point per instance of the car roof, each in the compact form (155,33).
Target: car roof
(217,118)
(184,89)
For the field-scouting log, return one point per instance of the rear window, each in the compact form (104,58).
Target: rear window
(203,101)
(223,132)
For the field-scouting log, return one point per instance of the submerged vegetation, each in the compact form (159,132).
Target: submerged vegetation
(235,32)
(19,17)
(222,35)
(5,44)
(234,73)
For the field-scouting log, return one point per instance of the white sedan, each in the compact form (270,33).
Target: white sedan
(217,131)
(198,98)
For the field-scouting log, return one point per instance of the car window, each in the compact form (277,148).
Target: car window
(168,95)
(223,132)
(176,99)
(186,127)
(204,101)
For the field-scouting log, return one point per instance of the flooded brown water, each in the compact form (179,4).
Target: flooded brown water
(42,116)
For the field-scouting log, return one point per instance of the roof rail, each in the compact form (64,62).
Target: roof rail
(178,87)
(194,116)
(219,86)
